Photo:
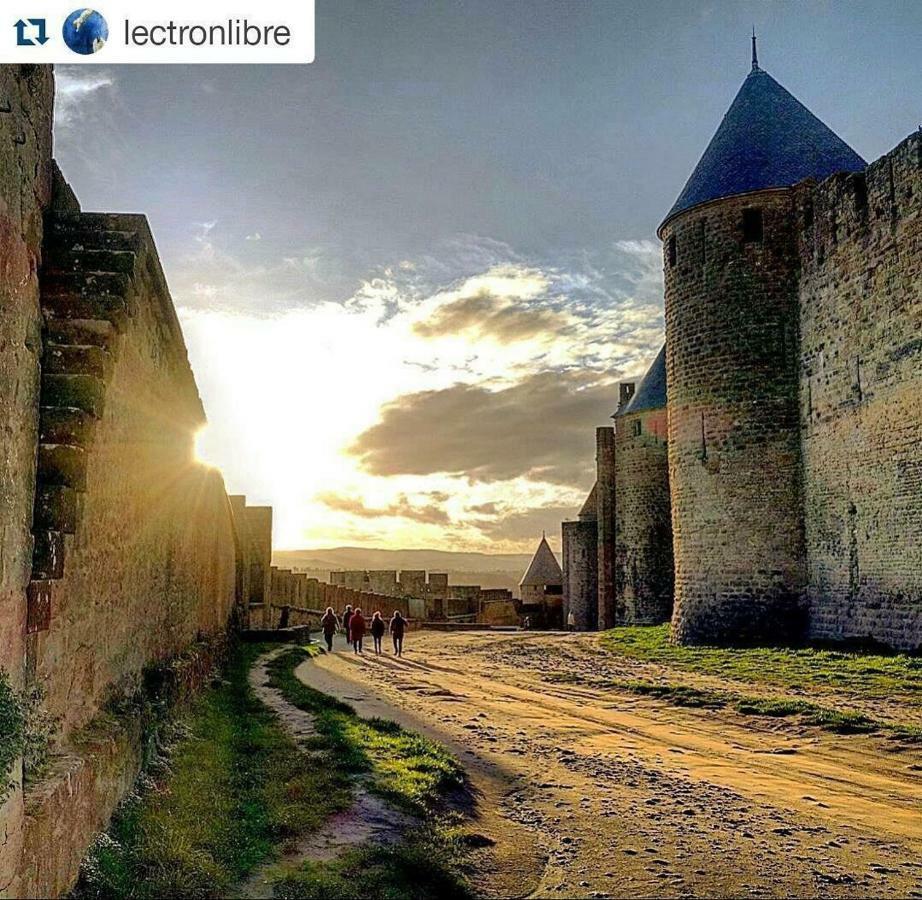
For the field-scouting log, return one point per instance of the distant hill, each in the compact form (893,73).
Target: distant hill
(489,570)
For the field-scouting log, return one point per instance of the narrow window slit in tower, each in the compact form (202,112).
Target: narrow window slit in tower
(860,187)
(808,214)
(752,225)
(704,443)
(672,250)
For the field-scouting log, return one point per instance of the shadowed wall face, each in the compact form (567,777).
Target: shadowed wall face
(861,399)
(25,191)
(605,526)
(643,527)
(734,444)
(150,565)
(580,574)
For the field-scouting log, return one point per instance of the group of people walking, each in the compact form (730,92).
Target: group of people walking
(355,625)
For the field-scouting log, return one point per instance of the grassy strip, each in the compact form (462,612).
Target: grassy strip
(838,721)
(405,768)
(870,675)
(235,786)
(410,871)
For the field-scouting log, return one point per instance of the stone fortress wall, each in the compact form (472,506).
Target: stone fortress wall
(297,599)
(794,424)
(859,248)
(617,554)
(26,101)
(119,551)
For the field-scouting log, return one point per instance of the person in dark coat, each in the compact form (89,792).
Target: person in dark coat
(377,631)
(347,616)
(398,629)
(328,624)
(357,630)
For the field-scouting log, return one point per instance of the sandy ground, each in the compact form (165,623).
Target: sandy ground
(590,792)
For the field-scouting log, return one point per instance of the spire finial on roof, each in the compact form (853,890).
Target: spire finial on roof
(755,55)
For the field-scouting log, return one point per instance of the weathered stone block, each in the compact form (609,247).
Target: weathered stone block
(85,392)
(55,508)
(48,556)
(76,360)
(66,425)
(63,465)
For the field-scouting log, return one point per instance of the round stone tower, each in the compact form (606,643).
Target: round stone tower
(732,368)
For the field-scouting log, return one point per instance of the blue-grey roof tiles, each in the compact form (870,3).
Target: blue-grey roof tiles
(767,139)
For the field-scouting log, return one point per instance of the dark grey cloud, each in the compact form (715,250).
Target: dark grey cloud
(402,508)
(540,428)
(488,314)
(528,524)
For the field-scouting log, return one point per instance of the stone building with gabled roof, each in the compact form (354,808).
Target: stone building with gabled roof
(541,588)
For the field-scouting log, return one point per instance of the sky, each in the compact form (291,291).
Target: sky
(411,274)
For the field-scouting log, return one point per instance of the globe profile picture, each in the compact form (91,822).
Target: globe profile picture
(85,31)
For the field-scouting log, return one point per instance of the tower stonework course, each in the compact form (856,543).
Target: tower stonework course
(734,443)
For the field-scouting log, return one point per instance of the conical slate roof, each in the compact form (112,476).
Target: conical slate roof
(588,512)
(544,568)
(767,139)
(652,391)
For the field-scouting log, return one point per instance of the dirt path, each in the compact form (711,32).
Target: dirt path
(368,820)
(622,794)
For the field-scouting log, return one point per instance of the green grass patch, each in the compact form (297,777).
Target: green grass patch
(869,675)
(403,767)
(235,788)
(413,870)
(836,720)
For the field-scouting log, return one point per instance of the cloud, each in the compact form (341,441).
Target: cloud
(541,428)
(440,402)
(527,525)
(487,315)
(484,509)
(402,508)
(76,89)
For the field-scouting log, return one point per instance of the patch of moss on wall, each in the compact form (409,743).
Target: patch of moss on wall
(12,732)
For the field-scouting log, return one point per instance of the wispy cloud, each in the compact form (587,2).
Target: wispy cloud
(80,89)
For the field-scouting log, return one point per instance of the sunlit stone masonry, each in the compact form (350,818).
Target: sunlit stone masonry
(786,436)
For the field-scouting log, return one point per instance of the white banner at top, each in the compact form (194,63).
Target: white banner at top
(157,31)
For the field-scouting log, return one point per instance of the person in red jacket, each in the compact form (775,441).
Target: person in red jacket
(357,630)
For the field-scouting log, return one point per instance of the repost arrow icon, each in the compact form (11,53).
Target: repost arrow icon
(42,36)
(21,39)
